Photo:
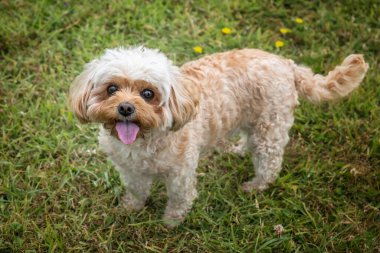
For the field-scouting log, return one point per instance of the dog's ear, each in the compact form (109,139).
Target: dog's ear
(183,102)
(80,92)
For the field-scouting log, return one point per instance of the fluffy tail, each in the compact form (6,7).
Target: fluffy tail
(338,83)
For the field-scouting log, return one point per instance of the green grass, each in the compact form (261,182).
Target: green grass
(59,194)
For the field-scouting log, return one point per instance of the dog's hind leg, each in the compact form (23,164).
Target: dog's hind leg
(268,140)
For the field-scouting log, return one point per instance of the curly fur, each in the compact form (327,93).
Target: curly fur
(242,91)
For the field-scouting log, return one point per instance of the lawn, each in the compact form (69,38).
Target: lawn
(58,192)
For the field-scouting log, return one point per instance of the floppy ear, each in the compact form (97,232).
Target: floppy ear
(183,102)
(80,92)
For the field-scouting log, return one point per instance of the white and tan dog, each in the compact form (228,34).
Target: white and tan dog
(157,118)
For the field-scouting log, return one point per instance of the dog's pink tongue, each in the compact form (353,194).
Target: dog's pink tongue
(127,131)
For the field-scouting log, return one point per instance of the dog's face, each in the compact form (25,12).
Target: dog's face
(132,92)
(128,108)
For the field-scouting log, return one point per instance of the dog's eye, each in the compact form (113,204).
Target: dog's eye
(147,94)
(111,89)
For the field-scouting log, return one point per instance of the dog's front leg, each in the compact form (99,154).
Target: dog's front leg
(181,190)
(137,190)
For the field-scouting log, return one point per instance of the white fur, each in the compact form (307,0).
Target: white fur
(138,63)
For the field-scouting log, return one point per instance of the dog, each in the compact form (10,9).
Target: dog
(157,119)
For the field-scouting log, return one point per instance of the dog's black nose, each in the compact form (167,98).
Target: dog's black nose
(126,109)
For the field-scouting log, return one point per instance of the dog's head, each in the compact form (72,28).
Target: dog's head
(133,91)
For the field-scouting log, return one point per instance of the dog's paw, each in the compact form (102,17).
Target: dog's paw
(173,218)
(238,149)
(255,185)
(130,203)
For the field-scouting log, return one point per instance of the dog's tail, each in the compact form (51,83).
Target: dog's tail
(338,83)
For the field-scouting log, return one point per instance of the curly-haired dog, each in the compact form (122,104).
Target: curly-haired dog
(157,118)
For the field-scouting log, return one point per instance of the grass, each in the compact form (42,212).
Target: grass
(59,194)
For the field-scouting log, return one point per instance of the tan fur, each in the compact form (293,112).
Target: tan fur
(250,92)
(338,83)
(102,107)
(184,110)
(79,95)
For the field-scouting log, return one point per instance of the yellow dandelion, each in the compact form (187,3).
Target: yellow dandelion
(279,43)
(299,20)
(198,49)
(284,30)
(226,31)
